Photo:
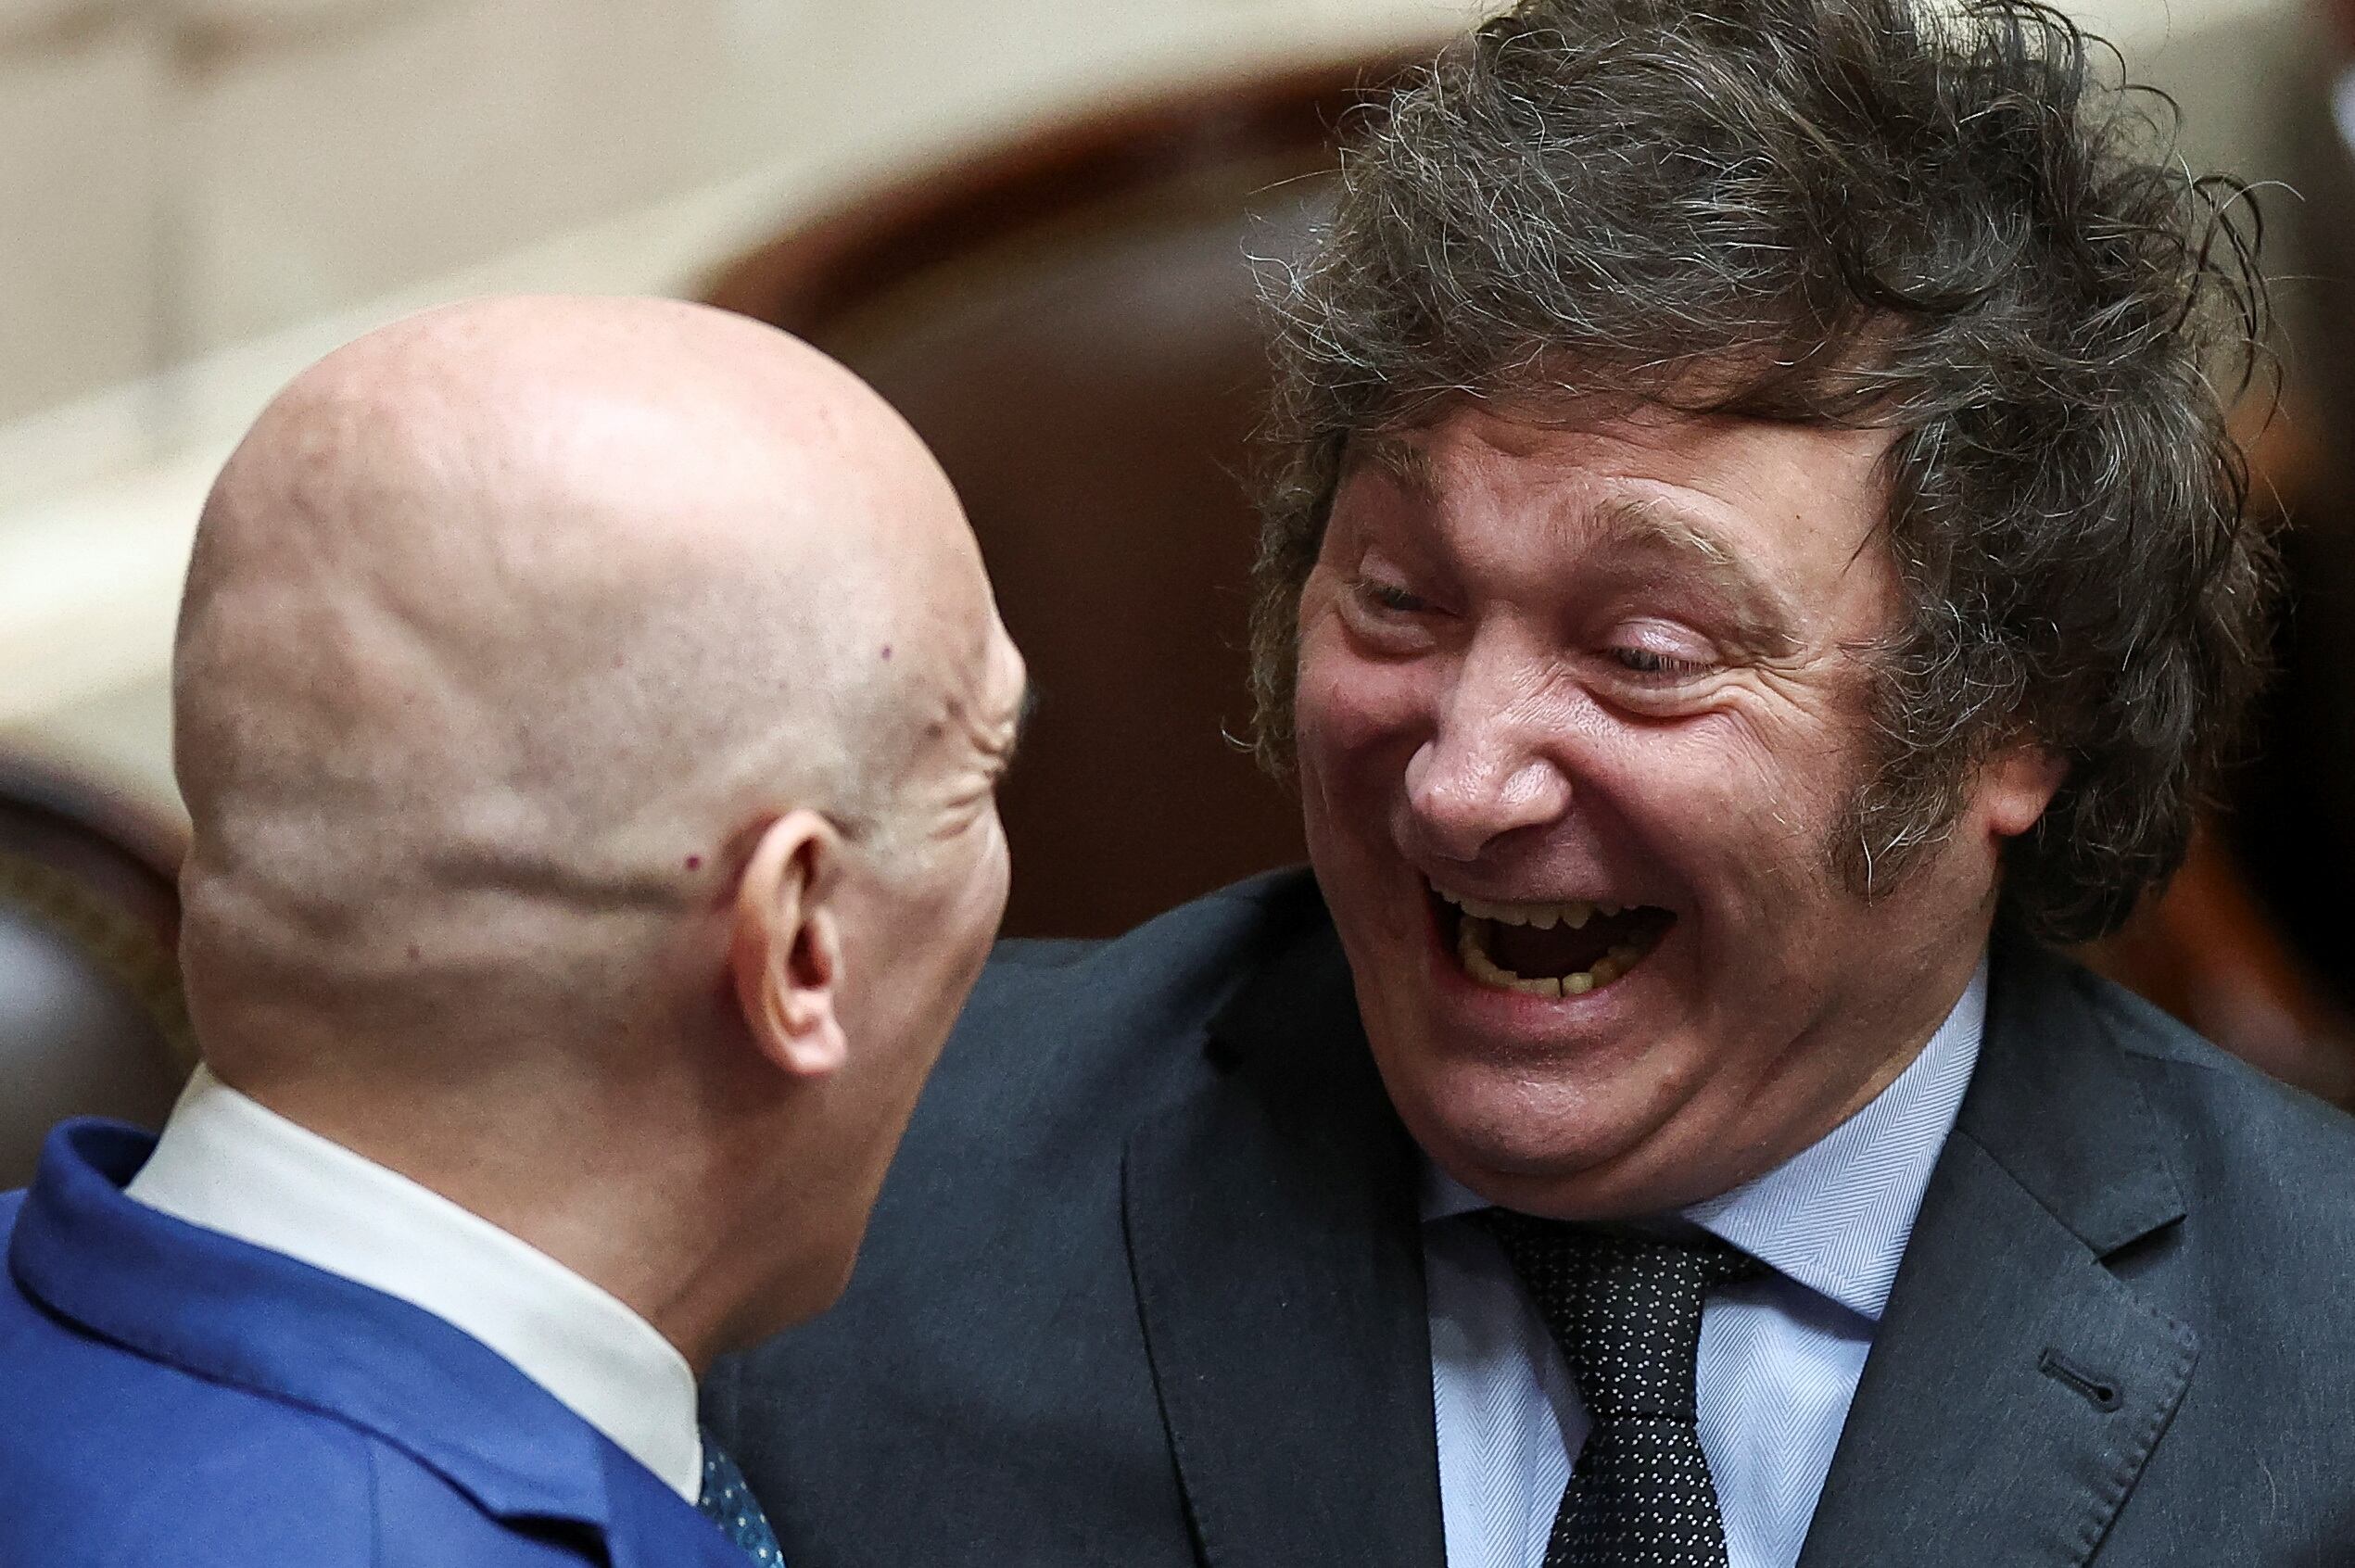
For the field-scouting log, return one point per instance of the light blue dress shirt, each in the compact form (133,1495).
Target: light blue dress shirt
(1780,1355)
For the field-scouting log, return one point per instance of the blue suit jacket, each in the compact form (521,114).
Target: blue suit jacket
(169,1395)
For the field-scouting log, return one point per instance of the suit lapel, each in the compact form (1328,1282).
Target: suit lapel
(1274,1239)
(2016,1385)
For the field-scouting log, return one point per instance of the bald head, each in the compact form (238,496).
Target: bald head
(506,624)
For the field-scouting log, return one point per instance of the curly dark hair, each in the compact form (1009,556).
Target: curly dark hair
(1953,222)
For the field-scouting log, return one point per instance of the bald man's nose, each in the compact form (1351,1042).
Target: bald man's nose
(1484,773)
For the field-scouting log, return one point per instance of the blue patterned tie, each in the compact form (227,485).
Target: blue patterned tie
(1625,1311)
(728,1503)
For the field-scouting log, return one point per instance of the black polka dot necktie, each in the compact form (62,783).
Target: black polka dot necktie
(1625,1311)
(727,1503)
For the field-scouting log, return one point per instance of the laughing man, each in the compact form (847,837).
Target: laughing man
(1757,563)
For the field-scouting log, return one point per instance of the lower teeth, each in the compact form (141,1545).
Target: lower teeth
(1481,967)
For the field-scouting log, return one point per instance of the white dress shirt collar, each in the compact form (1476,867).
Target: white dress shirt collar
(232,1165)
(1836,1216)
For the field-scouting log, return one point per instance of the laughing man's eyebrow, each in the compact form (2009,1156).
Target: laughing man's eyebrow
(1400,459)
(1766,623)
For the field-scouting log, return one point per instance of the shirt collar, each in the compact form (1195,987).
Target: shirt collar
(232,1165)
(1836,1216)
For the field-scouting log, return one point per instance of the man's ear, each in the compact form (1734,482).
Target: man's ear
(2017,785)
(787,952)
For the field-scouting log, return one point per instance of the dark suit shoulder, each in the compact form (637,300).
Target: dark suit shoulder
(1203,937)
(2261,1263)
(2233,1125)
(1076,1038)
(2258,1270)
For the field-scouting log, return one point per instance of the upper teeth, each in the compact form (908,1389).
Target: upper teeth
(1574,913)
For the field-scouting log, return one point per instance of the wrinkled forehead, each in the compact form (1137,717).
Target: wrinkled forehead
(978,693)
(943,663)
(1763,513)
(1728,460)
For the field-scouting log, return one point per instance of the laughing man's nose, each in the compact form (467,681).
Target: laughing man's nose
(1464,793)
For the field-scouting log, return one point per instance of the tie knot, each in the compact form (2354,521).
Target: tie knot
(1624,1308)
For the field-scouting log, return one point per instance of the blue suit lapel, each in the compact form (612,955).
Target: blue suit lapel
(2018,1384)
(243,1315)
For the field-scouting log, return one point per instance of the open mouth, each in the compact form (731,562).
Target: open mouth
(1561,949)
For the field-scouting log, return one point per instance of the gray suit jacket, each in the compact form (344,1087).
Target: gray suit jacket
(1145,1289)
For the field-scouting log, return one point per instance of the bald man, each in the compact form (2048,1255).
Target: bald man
(589,713)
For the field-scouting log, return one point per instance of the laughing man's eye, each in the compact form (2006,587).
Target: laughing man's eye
(1662,666)
(1392,597)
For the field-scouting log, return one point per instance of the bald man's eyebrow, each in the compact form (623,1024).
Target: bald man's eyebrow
(1765,622)
(1020,727)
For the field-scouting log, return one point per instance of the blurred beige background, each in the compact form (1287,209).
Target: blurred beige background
(197,196)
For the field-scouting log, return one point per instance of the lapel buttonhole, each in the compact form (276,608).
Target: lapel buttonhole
(2098,1392)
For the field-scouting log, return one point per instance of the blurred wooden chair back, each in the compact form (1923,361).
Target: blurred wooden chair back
(92,1020)
(1070,322)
